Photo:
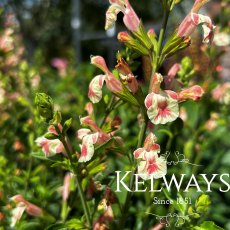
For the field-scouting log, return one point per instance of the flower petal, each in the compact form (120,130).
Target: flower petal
(138,153)
(162,108)
(193,93)
(82,132)
(95,86)
(87,147)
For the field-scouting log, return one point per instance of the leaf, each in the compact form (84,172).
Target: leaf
(181,207)
(75,224)
(97,169)
(41,155)
(208,225)
(51,136)
(57,226)
(67,125)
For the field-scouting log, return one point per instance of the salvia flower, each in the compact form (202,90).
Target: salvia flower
(23,205)
(162,107)
(222,93)
(150,164)
(89,138)
(130,18)
(95,86)
(50,147)
(193,19)
(168,80)
(193,93)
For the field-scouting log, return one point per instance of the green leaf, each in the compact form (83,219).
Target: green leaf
(57,226)
(97,169)
(41,155)
(67,125)
(208,225)
(51,136)
(75,224)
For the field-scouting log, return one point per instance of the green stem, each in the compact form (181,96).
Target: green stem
(156,63)
(141,138)
(78,181)
(112,105)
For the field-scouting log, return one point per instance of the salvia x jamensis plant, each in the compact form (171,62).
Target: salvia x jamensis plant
(157,100)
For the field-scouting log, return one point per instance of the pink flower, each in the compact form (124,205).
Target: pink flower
(89,138)
(130,18)
(168,80)
(89,108)
(222,93)
(66,187)
(162,107)
(95,86)
(193,19)
(23,205)
(193,93)
(50,147)
(59,63)
(6,41)
(150,165)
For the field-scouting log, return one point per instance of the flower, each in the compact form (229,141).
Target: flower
(193,19)
(95,86)
(150,165)
(130,18)
(193,93)
(89,138)
(50,147)
(6,41)
(66,187)
(221,39)
(23,205)
(60,64)
(168,80)
(162,107)
(222,93)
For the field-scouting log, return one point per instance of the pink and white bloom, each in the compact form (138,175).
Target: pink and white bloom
(193,19)
(222,93)
(95,86)
(130,19)
(89,138)
(50,147)
(6,41)
(162,107)
(193,93)
(150,165)
(66,187)
(23,205)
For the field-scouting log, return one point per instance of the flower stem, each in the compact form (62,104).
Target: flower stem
(141,138)
(156,63)
(78,181)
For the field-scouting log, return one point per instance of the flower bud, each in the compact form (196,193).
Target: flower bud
(124,37)
(156,82)
(44,105)
(127,75)
(193,93)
